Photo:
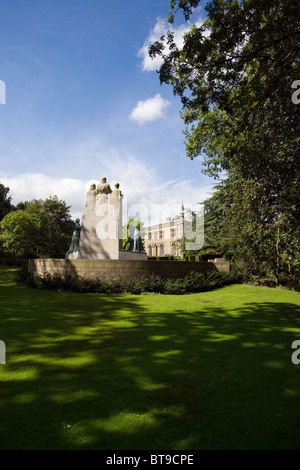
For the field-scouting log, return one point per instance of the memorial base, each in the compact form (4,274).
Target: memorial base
(107,269)
(121,255)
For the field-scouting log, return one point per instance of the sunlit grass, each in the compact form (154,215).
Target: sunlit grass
(201,371)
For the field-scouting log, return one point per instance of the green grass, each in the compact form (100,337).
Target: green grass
(203,371)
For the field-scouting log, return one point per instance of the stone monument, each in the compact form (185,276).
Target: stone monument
(100,234)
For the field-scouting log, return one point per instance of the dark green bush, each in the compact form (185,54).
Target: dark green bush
(174,287)
(193,282)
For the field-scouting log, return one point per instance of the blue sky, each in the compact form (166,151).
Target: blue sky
(83,101)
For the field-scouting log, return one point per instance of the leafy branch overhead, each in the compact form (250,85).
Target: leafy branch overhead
(234,75)
(239,61)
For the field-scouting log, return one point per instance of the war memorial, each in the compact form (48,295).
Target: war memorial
(97,248)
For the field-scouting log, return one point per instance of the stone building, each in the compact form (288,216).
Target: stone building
(163,239)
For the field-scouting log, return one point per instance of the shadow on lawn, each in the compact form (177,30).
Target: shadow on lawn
(99,372)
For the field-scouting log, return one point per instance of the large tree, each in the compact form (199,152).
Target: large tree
(19,235)
(55,222)
(233,70)
(37,228)
(234,75)
(5,201)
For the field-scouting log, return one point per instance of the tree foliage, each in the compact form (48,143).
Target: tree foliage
(230,73)
(37,228)
(234,75)
(136,222)
(5,201)
(20,234)
(56,224)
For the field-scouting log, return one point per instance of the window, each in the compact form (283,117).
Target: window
(174,250)
(161,234)
(150,250)
(162,250)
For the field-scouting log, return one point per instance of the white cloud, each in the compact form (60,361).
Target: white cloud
(145,192)
(161,28)
(149,110)
(28,186)
(142,183)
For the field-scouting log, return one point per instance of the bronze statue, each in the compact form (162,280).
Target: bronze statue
(134,242)
(75,238)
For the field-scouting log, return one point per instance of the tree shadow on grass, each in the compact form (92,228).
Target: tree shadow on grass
(100,372)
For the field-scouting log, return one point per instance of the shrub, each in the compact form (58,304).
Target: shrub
(175,287)
(193,282)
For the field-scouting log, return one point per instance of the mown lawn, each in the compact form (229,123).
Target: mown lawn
(201,371)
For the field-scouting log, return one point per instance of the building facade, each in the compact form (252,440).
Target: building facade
(163,239)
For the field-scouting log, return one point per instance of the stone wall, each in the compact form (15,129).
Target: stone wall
(105,269)
(221,264)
